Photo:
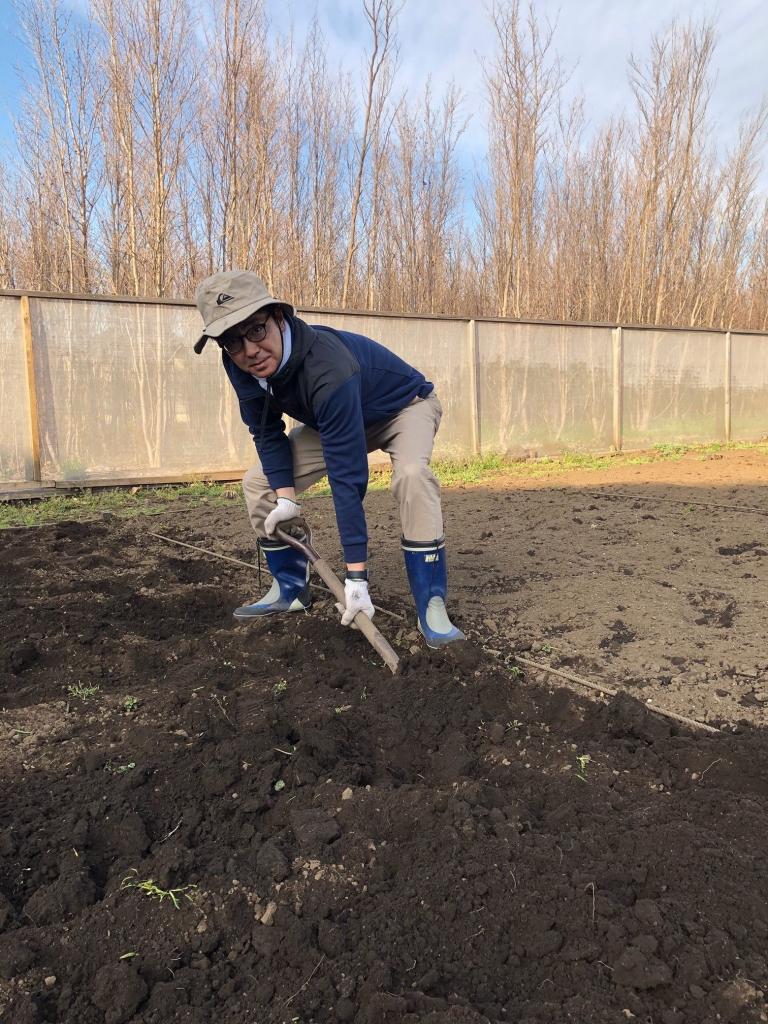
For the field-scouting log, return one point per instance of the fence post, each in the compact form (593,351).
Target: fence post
(727,386)
(474,387)
(34,418)
(618,387)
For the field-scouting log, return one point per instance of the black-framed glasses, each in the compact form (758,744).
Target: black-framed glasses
(233,340)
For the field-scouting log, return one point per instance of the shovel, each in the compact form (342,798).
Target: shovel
(332,581)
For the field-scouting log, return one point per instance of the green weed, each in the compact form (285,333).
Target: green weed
(82,691)
(280,688)
(671,451)
(583,761)
(148,887)
(130,704)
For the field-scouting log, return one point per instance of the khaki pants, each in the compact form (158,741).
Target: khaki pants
(407,438)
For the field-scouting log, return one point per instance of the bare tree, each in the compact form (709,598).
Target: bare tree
(136,173)
(524,84)
(328,124)
(381,16)
(65,95)
(227,102)
(151,79)
(424,203)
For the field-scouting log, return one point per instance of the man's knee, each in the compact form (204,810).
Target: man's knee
(255,483)
(408,475)
(259,497)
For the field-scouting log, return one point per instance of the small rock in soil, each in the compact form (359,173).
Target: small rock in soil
(268,916)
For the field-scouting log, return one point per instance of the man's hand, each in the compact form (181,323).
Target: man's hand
(356,599)
(286,509)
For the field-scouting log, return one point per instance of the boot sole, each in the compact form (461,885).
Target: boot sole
(245,616)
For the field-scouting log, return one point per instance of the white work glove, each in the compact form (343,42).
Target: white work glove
(285,509)
(357,599)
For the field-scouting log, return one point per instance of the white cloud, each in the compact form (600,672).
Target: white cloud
(453,40)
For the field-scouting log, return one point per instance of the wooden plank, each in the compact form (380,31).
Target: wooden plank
(150,481)
(27,485)
(34,419)
(45,488)
(474,387)
(618,388)
(24,492)
(728,358)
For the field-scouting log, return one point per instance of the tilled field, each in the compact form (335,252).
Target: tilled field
(207,822)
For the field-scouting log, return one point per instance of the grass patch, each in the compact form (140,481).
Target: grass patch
(127,502)
(123,502)
(450,473)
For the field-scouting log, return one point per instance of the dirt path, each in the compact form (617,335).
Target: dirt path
(465,842)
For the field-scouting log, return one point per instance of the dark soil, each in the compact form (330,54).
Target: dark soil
(456,844)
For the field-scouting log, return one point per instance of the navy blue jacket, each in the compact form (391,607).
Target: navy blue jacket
(340,384)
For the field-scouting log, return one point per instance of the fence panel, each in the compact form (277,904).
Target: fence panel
(16,454)
(543,388)
(122,394)
(749,387)
(674,387)
(439,348)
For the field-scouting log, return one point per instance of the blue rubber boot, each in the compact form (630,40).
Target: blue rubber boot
(290,587)
(427,571)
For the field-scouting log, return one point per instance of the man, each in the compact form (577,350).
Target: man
(352,396)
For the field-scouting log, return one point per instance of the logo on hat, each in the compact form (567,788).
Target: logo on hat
(221,298)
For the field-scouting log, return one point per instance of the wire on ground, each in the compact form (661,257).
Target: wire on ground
(601,688)
(678,501)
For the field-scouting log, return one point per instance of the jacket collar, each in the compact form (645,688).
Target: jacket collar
(303,338)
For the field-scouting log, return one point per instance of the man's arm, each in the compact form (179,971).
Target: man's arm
(342,435)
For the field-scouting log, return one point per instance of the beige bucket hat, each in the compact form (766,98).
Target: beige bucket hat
(229,297)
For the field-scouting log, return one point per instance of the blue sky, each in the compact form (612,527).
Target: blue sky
(594,38)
